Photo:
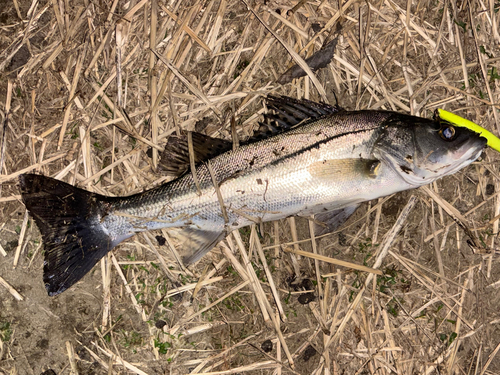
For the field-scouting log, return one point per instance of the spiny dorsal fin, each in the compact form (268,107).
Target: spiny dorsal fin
(174,160)
(287,112)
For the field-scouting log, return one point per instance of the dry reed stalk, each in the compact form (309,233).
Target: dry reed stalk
(269,275)
(253,367)
(118,360)
(106,289)
(231,292)
(334,261)
(252,277)
(294,55)
(383,252)
(71,357)
(11,290)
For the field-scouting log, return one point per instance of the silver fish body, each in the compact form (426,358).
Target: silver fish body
(321,166)
(268,180)
(326,165)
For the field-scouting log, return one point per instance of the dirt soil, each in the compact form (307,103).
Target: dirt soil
(65,114)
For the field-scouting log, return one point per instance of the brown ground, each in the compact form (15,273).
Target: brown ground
(435,311)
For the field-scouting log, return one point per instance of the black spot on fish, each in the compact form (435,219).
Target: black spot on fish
(252,162)
(405,169)
(409,158)
(236,174)
(259,181)
(279,152)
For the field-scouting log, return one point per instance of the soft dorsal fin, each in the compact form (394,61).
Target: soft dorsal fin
(174,160)
(286,112)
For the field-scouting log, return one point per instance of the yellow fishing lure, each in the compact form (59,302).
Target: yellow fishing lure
(493,140)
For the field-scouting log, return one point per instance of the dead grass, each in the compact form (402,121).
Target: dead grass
(92,90)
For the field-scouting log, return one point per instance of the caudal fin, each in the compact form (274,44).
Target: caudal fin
(69,219)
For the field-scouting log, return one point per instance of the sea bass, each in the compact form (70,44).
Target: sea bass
(319,160)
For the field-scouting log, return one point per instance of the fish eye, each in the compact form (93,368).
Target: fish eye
(447,132)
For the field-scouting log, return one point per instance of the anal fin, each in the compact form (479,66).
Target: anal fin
(330,221)
(195,243)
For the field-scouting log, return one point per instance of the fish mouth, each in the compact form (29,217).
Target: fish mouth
(474,147)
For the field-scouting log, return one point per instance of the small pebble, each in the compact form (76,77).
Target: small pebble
(267,346)
(161,240)
(309,353)
(307,284)
(160,324)
(342,239)
(316,27)
(306,298)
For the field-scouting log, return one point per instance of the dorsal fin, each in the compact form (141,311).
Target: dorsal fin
(285,113)
(174,160)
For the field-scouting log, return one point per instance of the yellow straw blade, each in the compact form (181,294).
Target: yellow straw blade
(456,120)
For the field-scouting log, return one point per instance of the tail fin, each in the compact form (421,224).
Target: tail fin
(69,220)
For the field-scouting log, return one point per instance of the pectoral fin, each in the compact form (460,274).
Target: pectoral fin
(330,221)
(345,169)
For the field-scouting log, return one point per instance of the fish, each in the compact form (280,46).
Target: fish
(306,159)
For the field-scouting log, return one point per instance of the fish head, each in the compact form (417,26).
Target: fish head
(422,150)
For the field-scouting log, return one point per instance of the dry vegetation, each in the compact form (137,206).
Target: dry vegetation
(90,92)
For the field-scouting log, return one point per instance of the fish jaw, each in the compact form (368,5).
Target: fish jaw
(420,175)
